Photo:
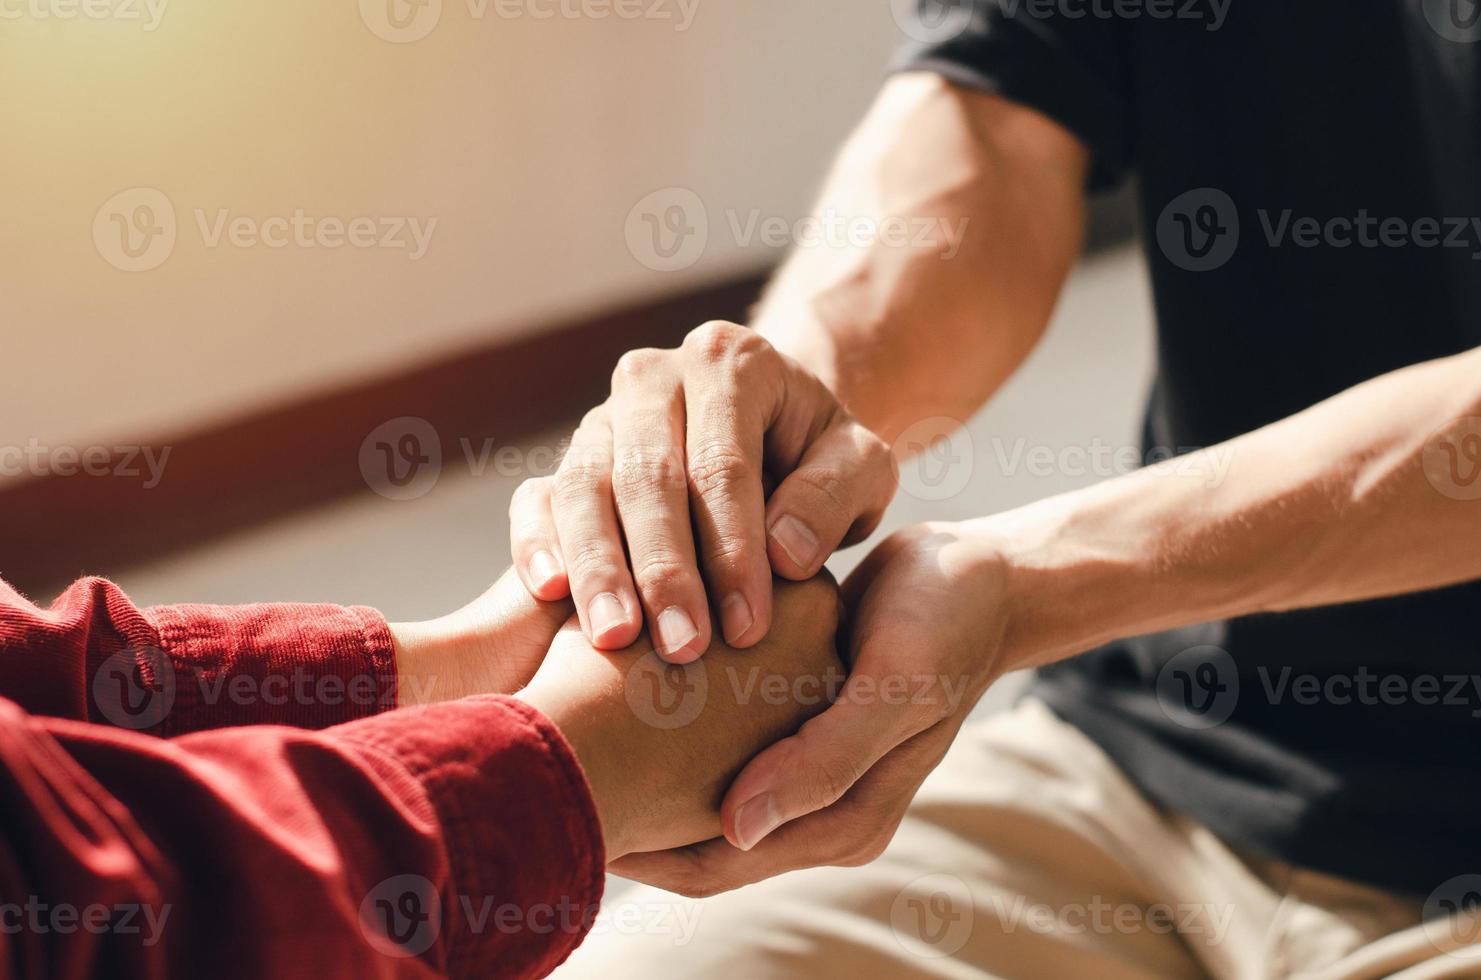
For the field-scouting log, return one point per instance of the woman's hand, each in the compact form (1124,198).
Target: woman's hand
(659,512)
(661,742)
(929,617)
(493,645)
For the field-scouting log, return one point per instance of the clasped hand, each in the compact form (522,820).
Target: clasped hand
(660,514)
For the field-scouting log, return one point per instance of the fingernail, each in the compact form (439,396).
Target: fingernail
(796,539)
(605,614)
(543,568)
(756,818)
(675,629)
(736,617)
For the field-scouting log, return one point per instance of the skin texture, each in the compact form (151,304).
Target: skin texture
(658,510)
(1373,493)
(493,645)
(660,743)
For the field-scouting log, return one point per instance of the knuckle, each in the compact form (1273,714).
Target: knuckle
(641,472)
(866,851)
(590,559)
(874,452)
(594,419)
(528,494)
(717,469)
(637,365)
(834,779)
(731,556)
(718,340)
(580,480)
(662,575)
(826,483)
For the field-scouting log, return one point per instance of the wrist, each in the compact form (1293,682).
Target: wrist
(493,645)
(591,739)
(429,659)
(1068,586)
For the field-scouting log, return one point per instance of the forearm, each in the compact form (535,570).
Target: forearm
(985,204)
(1352,499)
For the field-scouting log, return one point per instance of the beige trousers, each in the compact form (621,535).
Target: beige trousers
(1027,854)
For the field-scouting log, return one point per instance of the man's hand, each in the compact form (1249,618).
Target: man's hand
(659,510)
(929,619)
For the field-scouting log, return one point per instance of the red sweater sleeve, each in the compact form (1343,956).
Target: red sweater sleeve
(457,839)
(168,670)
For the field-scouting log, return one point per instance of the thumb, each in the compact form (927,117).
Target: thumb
(836,495)
(816,767)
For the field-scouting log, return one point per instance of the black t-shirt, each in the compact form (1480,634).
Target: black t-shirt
(1308,179)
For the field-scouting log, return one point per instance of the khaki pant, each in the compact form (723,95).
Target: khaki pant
(1027,854)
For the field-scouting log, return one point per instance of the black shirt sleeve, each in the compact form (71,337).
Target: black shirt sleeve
(1074,69)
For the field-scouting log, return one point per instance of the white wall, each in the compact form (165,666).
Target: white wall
(528,141)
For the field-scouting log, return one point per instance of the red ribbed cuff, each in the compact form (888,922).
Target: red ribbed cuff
(307,666)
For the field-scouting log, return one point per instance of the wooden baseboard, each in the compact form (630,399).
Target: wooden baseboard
(265,465)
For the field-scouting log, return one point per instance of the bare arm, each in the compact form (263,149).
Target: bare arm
(987,200)
(658,514)
(1375,492)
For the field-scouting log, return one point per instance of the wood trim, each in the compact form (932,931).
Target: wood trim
(296,455)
